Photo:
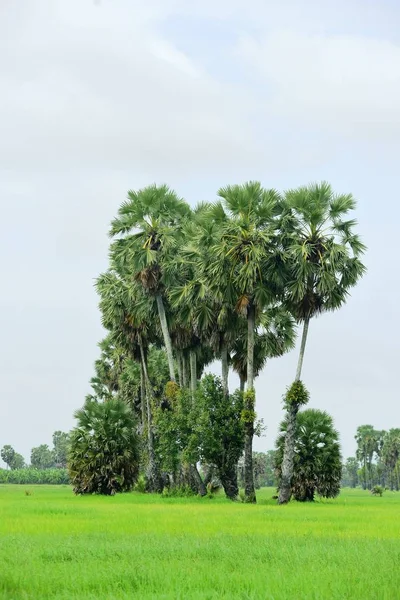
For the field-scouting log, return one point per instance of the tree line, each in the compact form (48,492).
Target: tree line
(377,460)
(41,457)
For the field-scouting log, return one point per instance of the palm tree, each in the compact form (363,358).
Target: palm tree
(367,438)
(317,456)
(322,263)
(148,227)
(127,315)
(391,456)
(242,272)
(104,450)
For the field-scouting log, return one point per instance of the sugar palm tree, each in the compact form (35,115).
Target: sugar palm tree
(127,315)
(148,227)
(317,456)
(323,264)
(391,456)
(242,272)
(211,321)
(104,448)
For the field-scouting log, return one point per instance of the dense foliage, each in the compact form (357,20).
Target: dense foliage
(317,459)
(103,456)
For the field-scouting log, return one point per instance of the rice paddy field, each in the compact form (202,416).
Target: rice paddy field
(56,545)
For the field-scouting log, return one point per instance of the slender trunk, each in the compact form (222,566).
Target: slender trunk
(185,374)
(242,383)
(179,367)
(249,410)
(251,326)
(193,371)
(142,396)
(154,475)
(228,477)
(200,485)
(302,348)
(285,490)
(166,336)
(225,368)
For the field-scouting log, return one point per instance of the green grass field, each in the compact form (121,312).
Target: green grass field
(56,545)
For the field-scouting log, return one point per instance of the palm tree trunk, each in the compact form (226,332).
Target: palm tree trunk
(285,490)
(193,371)
(242,383)
(302,348)
(179,366)
(251,326)
(142,396)
(154,475)
(185,374)
(166,336)
(249,409)
(225,368)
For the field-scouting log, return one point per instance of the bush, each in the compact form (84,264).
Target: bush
(179,491)
(104,449)
(377,490)
(30,476)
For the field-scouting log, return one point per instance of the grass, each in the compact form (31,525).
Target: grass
(56,545)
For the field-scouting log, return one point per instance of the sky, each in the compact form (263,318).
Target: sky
(98,97)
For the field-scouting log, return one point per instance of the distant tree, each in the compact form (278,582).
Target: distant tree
(317,459)
(391,457)
(60,448)
(18,462)
(104,449)
(368,446)
(42,457)
(350,472)
(7,455)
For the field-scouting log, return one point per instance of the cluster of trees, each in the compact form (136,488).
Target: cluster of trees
(377,460)
(227,281)
(42,457)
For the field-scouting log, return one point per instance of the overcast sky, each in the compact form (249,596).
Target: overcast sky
(97,97)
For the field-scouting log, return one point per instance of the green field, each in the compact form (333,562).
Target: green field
(56,545)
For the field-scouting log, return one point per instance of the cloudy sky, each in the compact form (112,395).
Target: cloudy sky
(97,97)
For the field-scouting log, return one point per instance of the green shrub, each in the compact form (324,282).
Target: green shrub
(377,490)
(103,455)
(178,491)
(141,485)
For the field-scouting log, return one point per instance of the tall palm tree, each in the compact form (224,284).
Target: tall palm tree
(148,228)
(127,314)
(323,264)
(391,456)
(242,272)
